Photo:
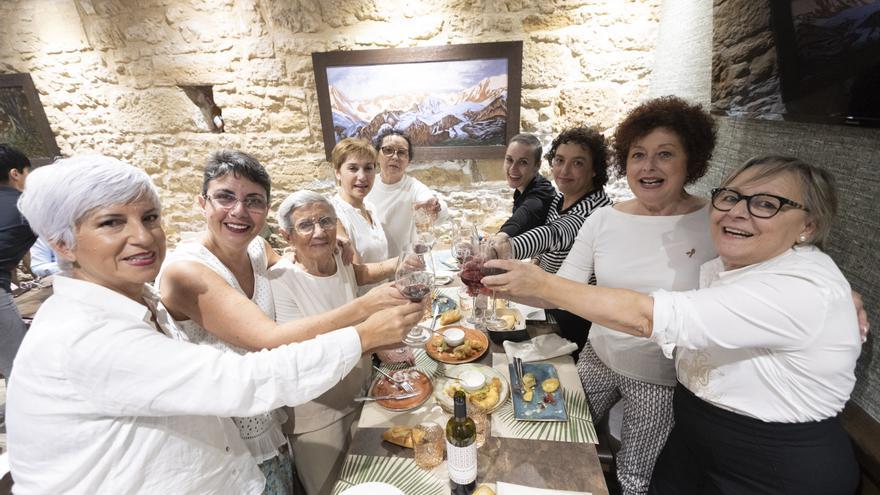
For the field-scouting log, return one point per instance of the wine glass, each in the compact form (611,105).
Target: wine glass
(414,277)
(465,246)
(488,252)
(424,223)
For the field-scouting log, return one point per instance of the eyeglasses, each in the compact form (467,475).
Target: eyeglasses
(307,227)
(228,201)
(759,205)
(389,152)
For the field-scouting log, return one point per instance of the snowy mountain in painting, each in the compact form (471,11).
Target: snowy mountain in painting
(475,116)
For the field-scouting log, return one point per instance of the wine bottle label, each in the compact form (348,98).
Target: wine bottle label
(462,463)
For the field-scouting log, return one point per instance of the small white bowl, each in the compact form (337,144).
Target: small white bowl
(454,337)
(472,380)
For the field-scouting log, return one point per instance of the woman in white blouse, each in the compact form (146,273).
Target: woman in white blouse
(217,290)
(765,350)
(396,195)
(103,399)
(313,282)
(354,163)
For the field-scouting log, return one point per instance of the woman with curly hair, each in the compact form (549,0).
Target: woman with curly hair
(578,159)
(657,240)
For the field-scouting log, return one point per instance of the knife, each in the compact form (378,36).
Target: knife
(387,397)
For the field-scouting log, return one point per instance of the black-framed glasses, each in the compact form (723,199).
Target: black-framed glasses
(228,201)
(307,227)
(390,151)
(759,205)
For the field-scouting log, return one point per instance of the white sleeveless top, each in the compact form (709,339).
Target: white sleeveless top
(262,433)
(299,294)
(368,240)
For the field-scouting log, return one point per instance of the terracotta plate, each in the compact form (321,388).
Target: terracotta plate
(449,357)
(420,382)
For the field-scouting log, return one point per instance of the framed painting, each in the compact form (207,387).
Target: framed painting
(23,122)
(453,101)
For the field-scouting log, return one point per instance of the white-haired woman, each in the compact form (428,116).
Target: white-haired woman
(102,400)
(765,350)
(217,290)
(314,282)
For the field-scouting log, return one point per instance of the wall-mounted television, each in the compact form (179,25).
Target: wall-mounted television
(803,60)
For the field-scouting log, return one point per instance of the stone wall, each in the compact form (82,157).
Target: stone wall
(109,74)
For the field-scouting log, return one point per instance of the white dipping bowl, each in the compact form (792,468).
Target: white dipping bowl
(472,380)
(454,337)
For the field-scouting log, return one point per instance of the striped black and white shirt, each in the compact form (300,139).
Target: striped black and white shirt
(552,241)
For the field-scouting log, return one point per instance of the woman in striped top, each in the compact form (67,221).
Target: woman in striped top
(578,159)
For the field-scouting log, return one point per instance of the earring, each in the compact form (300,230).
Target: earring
(802,238)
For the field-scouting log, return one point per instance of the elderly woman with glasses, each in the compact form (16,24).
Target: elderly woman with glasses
(218,292)
(396,196)
(764,351)
(313,282)
(103,399)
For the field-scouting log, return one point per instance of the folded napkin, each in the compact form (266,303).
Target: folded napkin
(502,488)
(539,348)
(529,312)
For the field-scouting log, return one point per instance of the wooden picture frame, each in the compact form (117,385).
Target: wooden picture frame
(23,122)
(454,101)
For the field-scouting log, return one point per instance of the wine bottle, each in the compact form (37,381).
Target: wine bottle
(461,448)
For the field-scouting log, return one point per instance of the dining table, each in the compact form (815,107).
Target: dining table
(530,455)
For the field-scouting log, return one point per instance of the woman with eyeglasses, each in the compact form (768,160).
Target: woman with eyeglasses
(764,351)
(354,163)
(397,195)
(218,292)
(316,281)
(103,397)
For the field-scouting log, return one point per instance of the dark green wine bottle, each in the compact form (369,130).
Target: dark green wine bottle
(461,449)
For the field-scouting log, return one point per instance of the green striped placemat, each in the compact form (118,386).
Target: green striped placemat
(403,473)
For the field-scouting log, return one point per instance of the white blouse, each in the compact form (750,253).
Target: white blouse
(776,341)
(368,240)
(642,253)
(298,294)
(101,402)
(393,203)
(261,433)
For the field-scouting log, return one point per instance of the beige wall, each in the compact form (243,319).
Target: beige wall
(108,73)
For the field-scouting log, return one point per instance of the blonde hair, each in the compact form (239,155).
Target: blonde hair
(351,147)
(817,185)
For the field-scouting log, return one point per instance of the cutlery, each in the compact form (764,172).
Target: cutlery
(518,371)
(403,384)
(387,397)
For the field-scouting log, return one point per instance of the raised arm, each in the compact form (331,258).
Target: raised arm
(373,273)
(619,309)
(193,291)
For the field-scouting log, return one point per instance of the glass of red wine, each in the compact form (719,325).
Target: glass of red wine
(465,248)
(488,252)
(414,277)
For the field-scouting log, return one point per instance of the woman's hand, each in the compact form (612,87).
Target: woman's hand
(523,281)
(381,297)
(501,244)
(432,206)
(343,245)
(389,326)
(864,324)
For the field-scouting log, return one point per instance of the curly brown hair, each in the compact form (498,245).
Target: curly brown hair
(693,125)
(591,140)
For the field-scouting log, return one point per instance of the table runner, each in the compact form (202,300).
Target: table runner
(401,472)
(579,427)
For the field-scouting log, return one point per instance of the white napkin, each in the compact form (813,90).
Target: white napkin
(539,348)
(502,488)
(529,312)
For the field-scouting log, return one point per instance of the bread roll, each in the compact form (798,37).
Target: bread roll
(399,435)
(451,316)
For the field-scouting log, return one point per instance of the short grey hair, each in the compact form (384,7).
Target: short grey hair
(58,197)
(298,200)
(817,185)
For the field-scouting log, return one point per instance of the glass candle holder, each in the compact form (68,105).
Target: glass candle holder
(429,444)
(481,421)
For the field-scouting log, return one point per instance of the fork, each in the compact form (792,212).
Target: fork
(518,371)
(403,384)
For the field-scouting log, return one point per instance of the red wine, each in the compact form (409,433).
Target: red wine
(472,279)
(416,292)
(492,271)
(421,248)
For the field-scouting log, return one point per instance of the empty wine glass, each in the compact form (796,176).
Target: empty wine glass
(488,252)
(424,222)
(414,277)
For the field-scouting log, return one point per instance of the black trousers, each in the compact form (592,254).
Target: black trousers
(714,451)
(573,328)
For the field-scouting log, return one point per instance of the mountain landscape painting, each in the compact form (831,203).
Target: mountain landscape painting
(438,104)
